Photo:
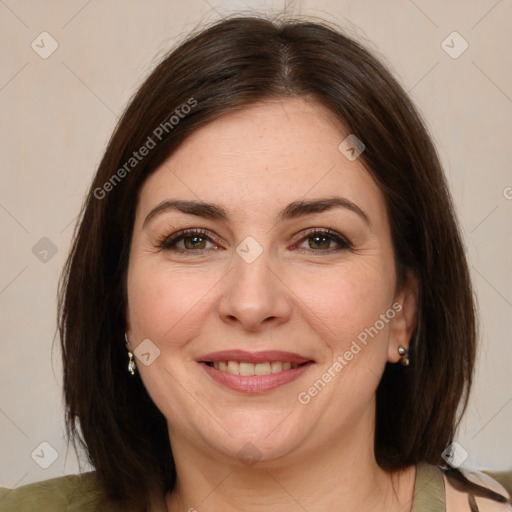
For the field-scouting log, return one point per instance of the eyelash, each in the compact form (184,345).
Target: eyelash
(168,243)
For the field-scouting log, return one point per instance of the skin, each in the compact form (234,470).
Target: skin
(296,296)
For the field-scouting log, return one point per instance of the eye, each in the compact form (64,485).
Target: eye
(193,240)
(320,240)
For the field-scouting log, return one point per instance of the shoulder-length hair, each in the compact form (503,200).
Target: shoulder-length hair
(225,67)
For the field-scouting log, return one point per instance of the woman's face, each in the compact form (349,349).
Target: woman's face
(264,336)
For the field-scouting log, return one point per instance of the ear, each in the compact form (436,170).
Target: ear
(405,305)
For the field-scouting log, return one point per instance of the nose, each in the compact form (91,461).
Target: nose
(255,296)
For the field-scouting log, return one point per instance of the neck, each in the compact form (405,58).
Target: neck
(339,474)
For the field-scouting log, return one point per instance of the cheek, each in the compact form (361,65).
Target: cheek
(162,303)
(347,301)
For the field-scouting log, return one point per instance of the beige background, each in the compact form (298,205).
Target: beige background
(57,115)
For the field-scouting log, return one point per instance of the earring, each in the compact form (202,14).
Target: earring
(131,362)
(404,361)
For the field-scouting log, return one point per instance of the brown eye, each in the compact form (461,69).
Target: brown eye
(319,242)
(322,241)
(193,240)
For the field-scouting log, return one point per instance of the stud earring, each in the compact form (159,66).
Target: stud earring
(131,362)
(404,361)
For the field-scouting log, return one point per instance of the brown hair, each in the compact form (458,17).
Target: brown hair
(228,66)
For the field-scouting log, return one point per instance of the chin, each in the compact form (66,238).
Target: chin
(262,438)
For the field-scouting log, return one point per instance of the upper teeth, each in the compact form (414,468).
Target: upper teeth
(246,369)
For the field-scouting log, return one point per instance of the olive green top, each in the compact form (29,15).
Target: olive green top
(429,495)
(80,493)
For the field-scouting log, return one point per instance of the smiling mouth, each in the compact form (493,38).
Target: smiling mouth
(254,372)
(249,369)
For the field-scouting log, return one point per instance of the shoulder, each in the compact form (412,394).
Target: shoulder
(457,497)
(70,493)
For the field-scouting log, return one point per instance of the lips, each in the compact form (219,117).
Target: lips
(254,372)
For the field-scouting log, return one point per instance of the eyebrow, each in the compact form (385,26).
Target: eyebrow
(292,211)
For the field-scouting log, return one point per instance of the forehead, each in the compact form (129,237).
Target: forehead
(263,157)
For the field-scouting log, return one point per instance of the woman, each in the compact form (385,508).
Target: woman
(267,302)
